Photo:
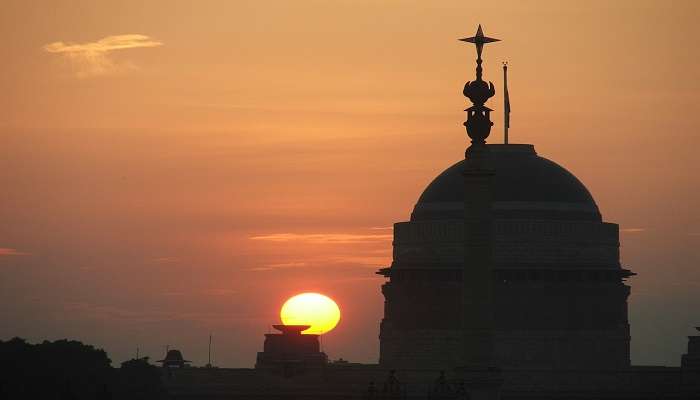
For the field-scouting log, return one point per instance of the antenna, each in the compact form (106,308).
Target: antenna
(506,104)
(209,364)
(137,352)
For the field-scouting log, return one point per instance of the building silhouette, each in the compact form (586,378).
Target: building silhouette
(505,282)
(174,359)
(290,352)
(559,294)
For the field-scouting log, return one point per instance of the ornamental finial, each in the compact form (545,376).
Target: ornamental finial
(478,122)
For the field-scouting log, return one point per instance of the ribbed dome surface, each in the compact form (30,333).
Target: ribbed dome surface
(525,186)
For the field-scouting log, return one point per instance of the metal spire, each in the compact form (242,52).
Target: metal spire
(479,40)
(478,122)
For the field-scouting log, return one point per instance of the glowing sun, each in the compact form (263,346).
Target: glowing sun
(313,309)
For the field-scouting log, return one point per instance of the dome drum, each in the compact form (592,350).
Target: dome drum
(582,244)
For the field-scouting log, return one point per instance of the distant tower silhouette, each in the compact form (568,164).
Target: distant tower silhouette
(209,354)
(174,359)
(290,352)
(691,359)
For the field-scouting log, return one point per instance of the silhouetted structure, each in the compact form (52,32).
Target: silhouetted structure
(209,354)
(371,393)
(290,352)
(174,359)
(505,280)
(691,359)
(505,261)
(139,379)
(392,388)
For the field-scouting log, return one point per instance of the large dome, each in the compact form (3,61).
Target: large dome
(525,186)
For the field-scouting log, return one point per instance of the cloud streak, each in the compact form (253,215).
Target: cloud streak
(330,261)
(94,58)
(323,238)
(6,251)
(81,310)
(633,230)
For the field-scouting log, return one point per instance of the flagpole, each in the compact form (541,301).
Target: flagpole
(506,104)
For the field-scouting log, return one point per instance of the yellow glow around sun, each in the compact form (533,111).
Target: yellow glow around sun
(313,309)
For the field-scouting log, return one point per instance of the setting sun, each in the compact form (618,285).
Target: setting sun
(314,309)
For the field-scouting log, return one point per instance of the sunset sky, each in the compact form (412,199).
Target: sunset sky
(175,168)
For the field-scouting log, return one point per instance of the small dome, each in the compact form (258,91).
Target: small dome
(174,355)
(525,186)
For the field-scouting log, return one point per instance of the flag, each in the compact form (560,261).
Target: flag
(506,99)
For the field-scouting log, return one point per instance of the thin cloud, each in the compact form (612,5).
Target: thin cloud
(94,58)
(139,316)
(270,267)
(323,238)
(287,265)
(367,261)
(172,294)
(633,230)
(333,261)
(6,251)
(165,260)
(258,269)
(223,292)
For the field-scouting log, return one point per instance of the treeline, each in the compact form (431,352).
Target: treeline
(71,370)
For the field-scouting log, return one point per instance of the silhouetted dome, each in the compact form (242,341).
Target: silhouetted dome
(525,186)
(174,356)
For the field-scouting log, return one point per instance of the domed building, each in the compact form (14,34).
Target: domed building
(505,283)
(558,288)
(538,269)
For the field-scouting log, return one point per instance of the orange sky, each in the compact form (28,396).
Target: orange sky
(187,180)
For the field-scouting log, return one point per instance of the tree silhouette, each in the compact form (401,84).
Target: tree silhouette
(71,370)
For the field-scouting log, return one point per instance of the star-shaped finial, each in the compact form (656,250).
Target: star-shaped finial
(479,40)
